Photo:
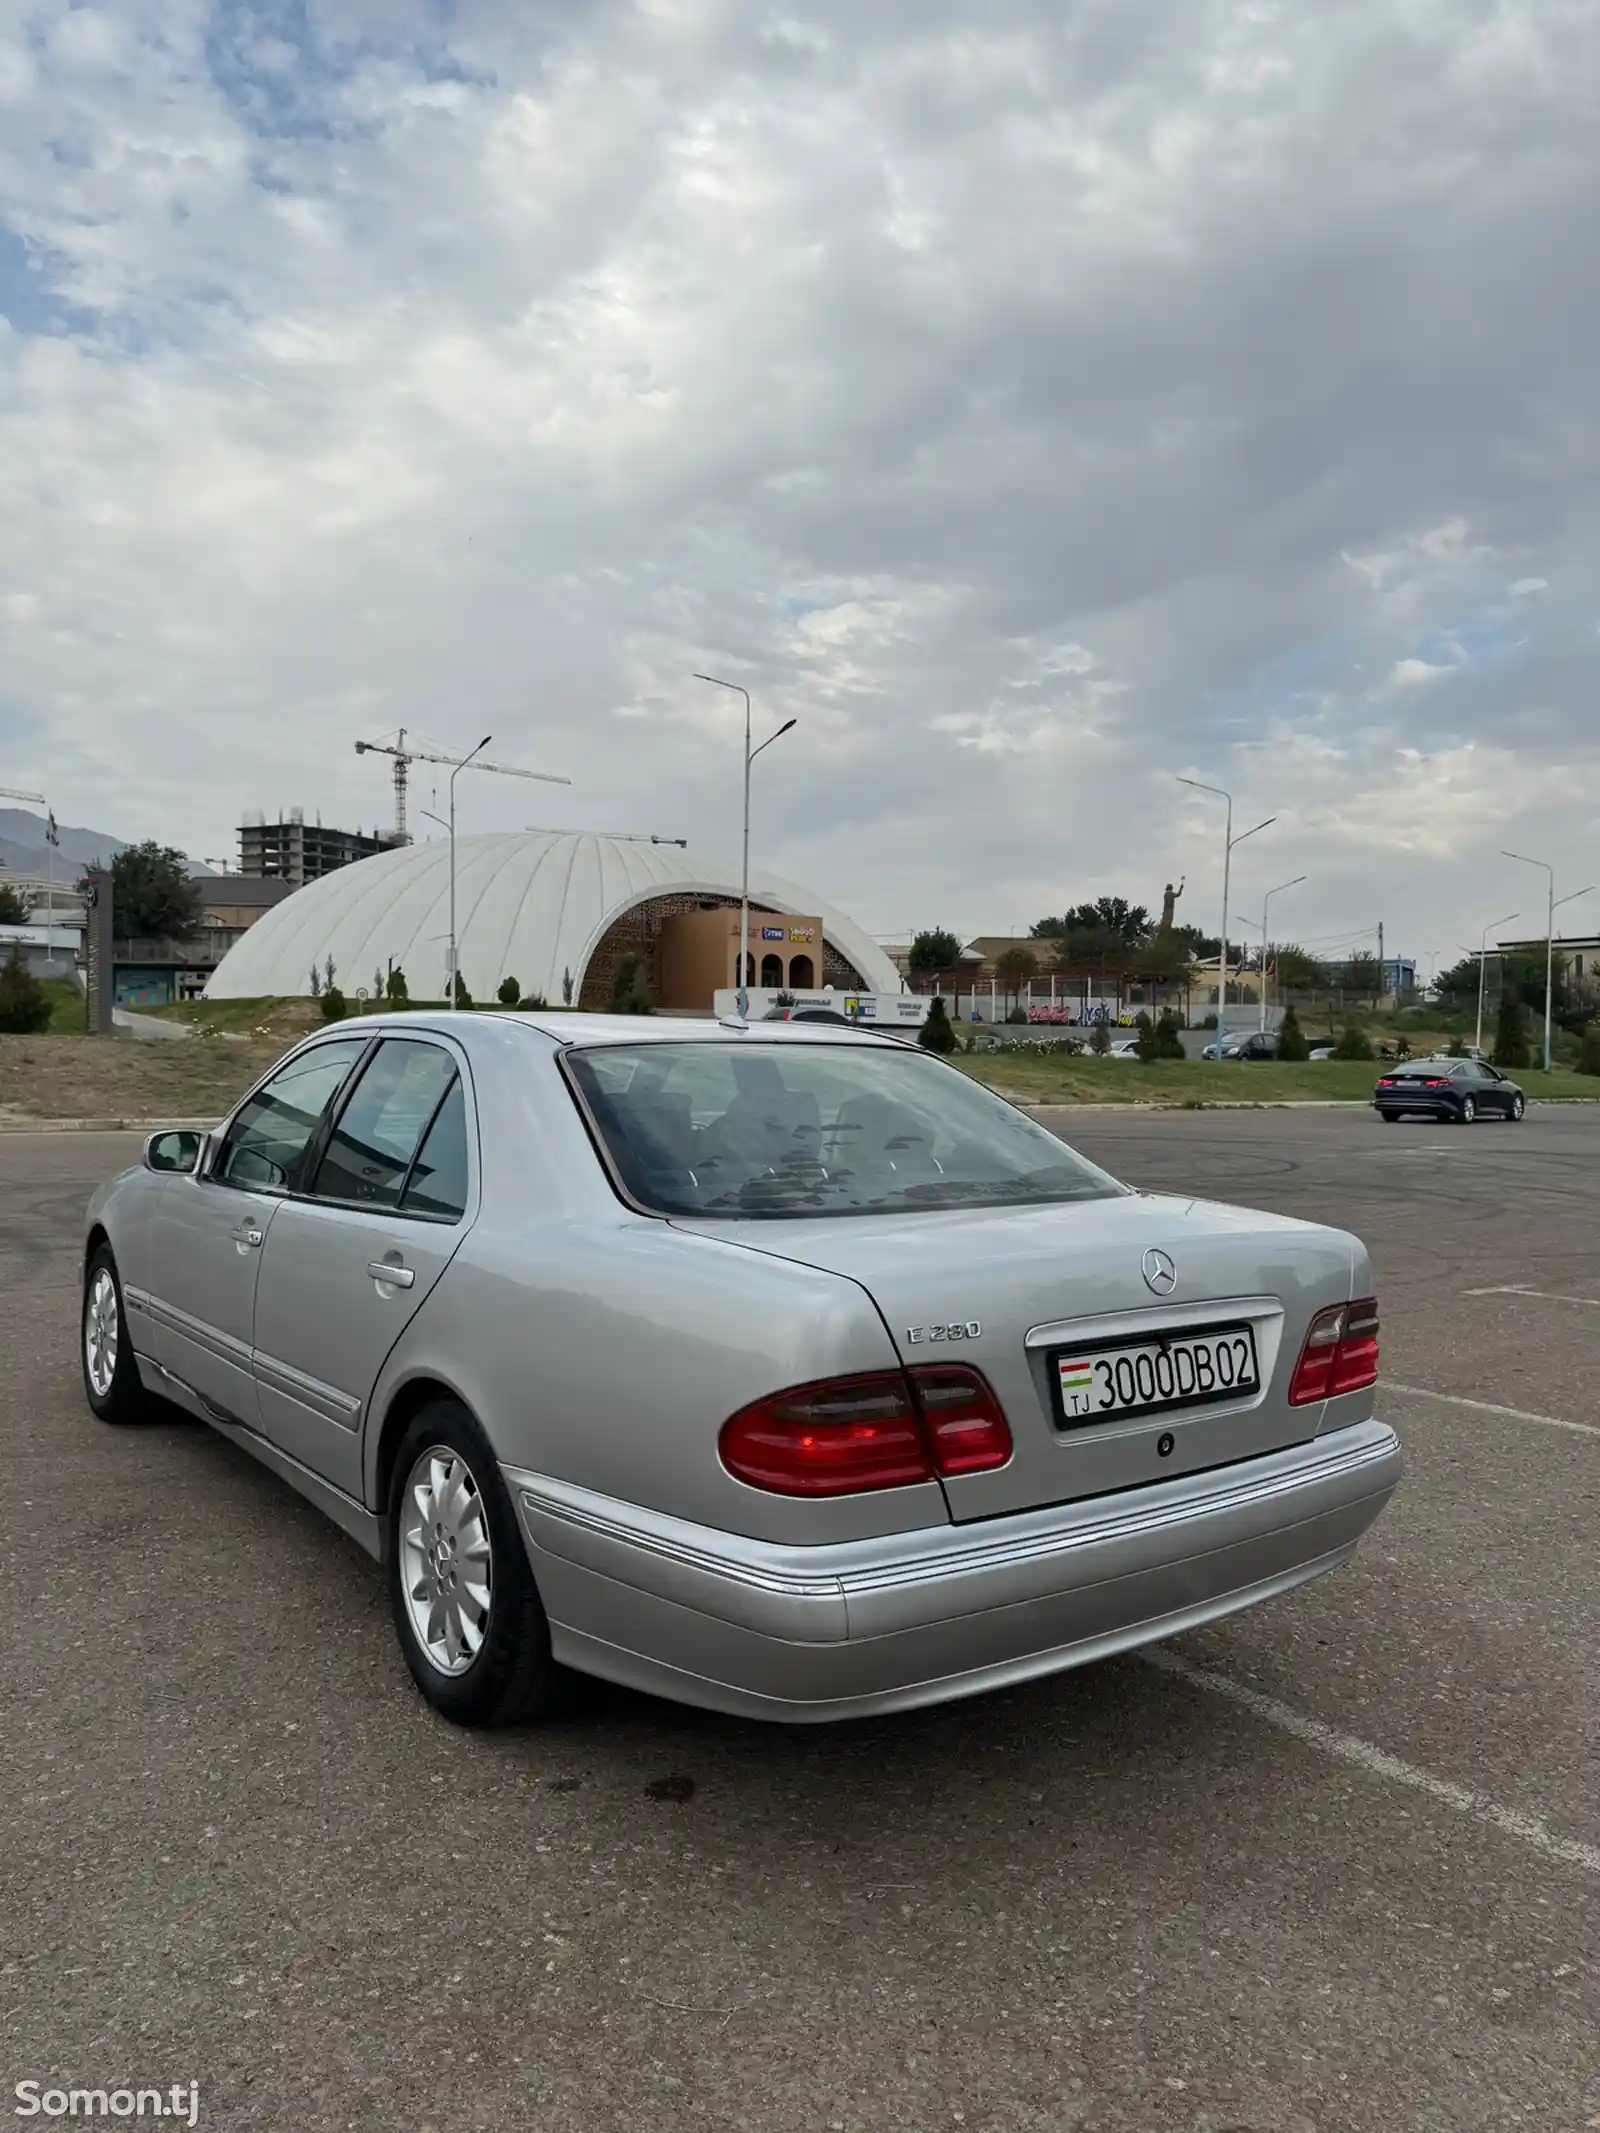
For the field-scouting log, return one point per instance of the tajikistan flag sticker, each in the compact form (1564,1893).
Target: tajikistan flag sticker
(1077,1376)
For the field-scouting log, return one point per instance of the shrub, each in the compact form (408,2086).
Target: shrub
(334,1004)
(1354,1043)
(1510,1030)
(1457,1047)
(1100,1039)
(1208,1021)
(1169,1044)
(463,996)
(395,989)
(24,1003)
(1148,1048)
(630,995)
(508,992)
(936,1035)
(1292,1042)
(533,1001)
(316,983)
(1017,1014)
(1589,1050)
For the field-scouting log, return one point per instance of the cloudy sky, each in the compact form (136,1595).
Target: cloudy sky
(1035,399)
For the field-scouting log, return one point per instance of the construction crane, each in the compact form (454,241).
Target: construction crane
(404,757)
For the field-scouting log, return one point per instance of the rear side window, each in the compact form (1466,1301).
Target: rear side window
(370,1152)
(438,1182)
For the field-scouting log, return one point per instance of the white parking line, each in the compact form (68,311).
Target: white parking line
(1549,1296)
(1488,1407)
(1510,1821)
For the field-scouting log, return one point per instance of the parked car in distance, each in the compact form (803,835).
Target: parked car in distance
(1258,1044)
(776,1369)
(1456,1090)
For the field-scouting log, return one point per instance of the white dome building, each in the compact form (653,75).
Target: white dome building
(535,906)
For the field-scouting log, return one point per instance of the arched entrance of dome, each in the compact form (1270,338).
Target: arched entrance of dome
(772,970)
(802,974)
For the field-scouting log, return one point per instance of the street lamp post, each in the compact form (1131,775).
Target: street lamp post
(1483,963)
(1265,903)
(1552,906)
(1227,867)
(451,975)
(750,755)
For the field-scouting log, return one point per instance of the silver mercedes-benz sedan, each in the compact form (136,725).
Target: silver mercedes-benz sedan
(782,1369)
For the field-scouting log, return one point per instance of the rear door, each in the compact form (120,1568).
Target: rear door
(348,1263)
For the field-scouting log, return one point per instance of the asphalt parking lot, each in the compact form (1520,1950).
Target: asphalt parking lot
(1332,1866)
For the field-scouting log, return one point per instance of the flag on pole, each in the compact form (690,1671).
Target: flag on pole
(51,834)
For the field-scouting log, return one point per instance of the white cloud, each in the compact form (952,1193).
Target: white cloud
(996,393)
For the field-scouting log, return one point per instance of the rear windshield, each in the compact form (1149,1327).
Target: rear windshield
(766,1130)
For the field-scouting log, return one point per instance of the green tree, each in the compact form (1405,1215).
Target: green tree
(1100,1039)
(24,1003)
(152,896)
(566,987)
(1015,968)
(395,989)
(630,992)
(1354,1043)
(334,1004)
(1297,972)
(1457,1047)
(1125,922)
(1589,1051)
(1363,975)
(1511,1030)
(508,992)
(936,1034)
(316,982)
(14,911)
(463,995)
(1148,1047)
(933,953)
(1291,1037)
(1169,1043)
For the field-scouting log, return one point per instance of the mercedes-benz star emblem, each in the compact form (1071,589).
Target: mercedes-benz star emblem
(1159,1272)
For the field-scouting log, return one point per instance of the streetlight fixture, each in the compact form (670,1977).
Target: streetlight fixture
(1265,941)
(1483,964)
(1552,906)
(451,973)
(1227,867)
(750,755)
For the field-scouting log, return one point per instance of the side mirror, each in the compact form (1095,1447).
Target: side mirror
(177,1151)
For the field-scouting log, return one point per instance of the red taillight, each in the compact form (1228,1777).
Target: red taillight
(1340,1354)
(963,1419)
(884,1429)
(1436,1084)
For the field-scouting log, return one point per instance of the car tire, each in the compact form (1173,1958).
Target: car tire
(488,1661)
(1389,1117)
(1469,1110)
(111,1380)
(1519,1105)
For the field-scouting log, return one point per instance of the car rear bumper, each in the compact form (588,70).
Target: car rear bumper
(868,1626)
(1434,1105)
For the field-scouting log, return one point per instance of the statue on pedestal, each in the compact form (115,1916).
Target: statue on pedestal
(1169,903)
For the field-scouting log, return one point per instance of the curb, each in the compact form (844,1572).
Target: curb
(106,1125)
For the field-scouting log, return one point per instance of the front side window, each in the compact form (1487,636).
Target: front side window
(768,1130)
(370,1150)
(271,1132)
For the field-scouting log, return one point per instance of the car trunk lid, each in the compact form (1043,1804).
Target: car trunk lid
(1013,1291)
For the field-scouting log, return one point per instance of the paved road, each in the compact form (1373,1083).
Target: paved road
(1340,1873)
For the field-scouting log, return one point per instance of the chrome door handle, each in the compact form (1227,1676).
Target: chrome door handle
(249,1236)
(396,1277)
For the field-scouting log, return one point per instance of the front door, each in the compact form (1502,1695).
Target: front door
(351,1260)
(210,1228)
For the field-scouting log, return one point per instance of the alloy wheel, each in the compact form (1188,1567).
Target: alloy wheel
(102,1332)
(446,1560)
(1469,1110)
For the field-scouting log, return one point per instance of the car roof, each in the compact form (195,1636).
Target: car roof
(619,1029)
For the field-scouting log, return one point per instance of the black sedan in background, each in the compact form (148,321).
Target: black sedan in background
(1455,1090)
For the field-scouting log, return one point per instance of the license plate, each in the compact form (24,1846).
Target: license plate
(1097,1384)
